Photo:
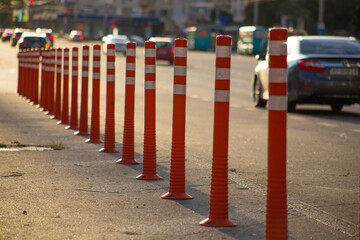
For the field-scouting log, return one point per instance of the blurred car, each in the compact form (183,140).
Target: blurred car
(164,49)
(137,39)
(6,36)
(33,40)
(120,42)
(321,70)
(76,36)
(16,36)
(49,34)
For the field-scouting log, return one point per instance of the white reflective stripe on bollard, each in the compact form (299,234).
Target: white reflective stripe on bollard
(150,85)
(130,81)
(180,89)
(277,48)
(278,103)
(222,74)
(223,51)
(278,75)
(180,70)
(222,95)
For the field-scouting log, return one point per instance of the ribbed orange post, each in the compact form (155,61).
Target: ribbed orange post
(36,77)
(128,138)
(51,94)
(65,98)
(74,89)
(177,167)
(95,109)
(57,111)
(276,202)
(109,140)
(149,157)
(218,211)
(20,62)
(83,123)
(27,74)
(42,78)
(32,75)
(46,58)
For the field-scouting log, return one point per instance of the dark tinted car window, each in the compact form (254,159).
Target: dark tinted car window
(330,46)
(163,44)
(35,41)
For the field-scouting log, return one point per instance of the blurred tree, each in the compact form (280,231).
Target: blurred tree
(340,17)
(5,13)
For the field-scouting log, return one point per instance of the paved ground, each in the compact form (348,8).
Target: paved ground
(79,193)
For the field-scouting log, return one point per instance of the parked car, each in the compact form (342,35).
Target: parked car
(16,36)
(6,36)
(76,36)
(49,34)
(33,40)
(137,39)
(164,49)
(120,42)
(321,70)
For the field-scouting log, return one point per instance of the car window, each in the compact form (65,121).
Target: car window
(163,44)
(330,46)
(32,40)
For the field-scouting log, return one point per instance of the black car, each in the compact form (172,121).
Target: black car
(6,36)
(16,36)
(49,34)
(321,70)
(33,40)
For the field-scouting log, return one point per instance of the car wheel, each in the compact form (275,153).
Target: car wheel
(291,107)
(336,107)
(171,62)
(257,94)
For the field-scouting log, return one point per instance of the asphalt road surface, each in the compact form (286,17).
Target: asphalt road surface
(323,147)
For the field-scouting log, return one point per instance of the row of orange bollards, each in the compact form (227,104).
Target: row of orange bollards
(54,99)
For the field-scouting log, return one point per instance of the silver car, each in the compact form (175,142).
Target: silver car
(120,42)
(321,70)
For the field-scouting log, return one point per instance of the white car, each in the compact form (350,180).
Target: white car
(120,42)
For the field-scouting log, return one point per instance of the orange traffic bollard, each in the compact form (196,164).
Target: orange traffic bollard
(36,77)
(46,79)
(20,65)
(51,79)
(83,123)
(74,90)
(95,109)
(109,140)
(149,157)
(57,113)
(65,98)
(218,211)
(276,201)
(177,167)
(43,78)
(128,138)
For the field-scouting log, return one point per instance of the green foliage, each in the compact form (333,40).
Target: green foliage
(339,16)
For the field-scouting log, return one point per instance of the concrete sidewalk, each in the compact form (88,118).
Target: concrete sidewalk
(79,193)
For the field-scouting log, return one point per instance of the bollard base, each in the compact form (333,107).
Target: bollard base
(127,161)
(81,133)
(93,141)
(211,222)
(176,196)
(149,177)
(108,150)
(63,122)
(71,128)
